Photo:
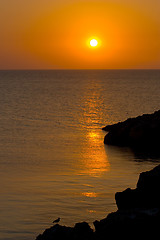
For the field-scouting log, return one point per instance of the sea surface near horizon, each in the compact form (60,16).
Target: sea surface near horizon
(53,162)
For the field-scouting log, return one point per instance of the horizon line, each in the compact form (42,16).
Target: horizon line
(74,69)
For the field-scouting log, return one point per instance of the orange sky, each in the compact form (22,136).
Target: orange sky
(55,34)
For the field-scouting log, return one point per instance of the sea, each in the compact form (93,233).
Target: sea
(53,161)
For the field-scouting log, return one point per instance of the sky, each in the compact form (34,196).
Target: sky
(56,34)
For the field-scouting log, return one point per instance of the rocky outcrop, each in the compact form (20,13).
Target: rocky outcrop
(138,215)
(129,224)
(139,132)
(145,196)
(78,232)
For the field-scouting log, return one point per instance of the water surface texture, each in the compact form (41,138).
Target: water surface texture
(53,162)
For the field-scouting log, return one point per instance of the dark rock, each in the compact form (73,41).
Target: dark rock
(131,224)
(150,180)
(56,232)
(142,132)
(146,195)
(82,231)
(128,199)
(138,214)
(78,232)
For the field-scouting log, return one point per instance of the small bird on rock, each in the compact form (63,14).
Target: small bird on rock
(57,220)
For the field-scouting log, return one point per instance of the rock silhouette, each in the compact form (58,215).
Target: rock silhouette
(78,232)
(145,196)
(141,132)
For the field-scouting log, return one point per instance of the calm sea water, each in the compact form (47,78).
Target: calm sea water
(53,162)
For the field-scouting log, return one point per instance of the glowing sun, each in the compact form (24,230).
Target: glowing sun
(93,42)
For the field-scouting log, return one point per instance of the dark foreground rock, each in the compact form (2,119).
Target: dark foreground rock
(79,231)
(145,196)
(138,215)
(140,132)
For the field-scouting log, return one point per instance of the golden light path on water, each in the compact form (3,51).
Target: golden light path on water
(93,155)
(97,163)
(93,160)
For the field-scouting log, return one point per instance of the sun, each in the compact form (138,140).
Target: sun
(93,42)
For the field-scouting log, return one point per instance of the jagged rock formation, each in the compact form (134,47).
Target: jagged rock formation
(140,132)
(78,232)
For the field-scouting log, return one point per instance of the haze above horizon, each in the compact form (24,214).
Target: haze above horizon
(57,35)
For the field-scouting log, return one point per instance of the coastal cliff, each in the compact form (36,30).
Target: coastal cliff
(141,132)
(138,215)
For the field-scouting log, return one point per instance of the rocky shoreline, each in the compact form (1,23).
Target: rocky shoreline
(141,132)
(138,215)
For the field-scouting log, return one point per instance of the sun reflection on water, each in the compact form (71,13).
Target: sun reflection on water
(90,194)
(93,136)
(95,161)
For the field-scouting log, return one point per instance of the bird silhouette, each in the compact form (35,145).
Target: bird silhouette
(56,220)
